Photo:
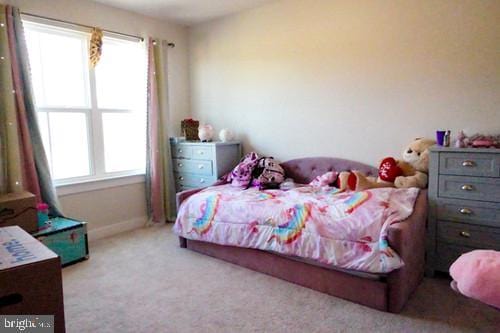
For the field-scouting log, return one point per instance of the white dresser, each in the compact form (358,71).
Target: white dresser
(199,164)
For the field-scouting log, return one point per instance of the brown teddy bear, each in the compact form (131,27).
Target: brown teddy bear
(409,172)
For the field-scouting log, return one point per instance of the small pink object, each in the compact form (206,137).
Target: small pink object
(42,214)
(476,274)
(325,179)
(483,143)
(42,207)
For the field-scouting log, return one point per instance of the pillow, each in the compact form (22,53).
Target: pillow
(325,179)
(476,274)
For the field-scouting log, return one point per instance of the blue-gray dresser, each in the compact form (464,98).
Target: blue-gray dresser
(198,164)
(464,204)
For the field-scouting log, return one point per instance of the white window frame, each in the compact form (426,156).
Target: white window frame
(94,118)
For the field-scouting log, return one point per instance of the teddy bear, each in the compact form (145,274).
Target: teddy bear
(411,171)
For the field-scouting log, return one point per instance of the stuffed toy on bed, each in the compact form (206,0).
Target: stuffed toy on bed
(411,171)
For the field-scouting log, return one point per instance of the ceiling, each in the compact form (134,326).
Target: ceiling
(187,12)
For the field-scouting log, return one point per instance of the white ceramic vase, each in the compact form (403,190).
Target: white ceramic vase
(226,135)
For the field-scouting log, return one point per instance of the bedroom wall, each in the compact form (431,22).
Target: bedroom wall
(114,209)
(353,79)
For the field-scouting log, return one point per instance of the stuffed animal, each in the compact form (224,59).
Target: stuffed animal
(417,156)
(409,172)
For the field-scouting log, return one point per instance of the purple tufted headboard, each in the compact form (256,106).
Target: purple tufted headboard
(303,170)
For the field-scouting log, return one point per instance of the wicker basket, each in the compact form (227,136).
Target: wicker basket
(189,128)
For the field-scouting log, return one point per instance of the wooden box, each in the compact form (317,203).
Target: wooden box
(19,209)
(30,277)
(67,238)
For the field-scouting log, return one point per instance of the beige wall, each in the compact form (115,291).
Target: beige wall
(107,206)
(102,208)
(353,79)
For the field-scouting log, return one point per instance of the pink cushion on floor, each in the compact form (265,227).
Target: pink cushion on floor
(477,275)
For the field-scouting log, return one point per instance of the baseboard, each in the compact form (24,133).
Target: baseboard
(116,228)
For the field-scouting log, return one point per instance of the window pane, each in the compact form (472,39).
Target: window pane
(59,67)
(43,124)
(124,141)
(35,59)
(69,140)
(121,75)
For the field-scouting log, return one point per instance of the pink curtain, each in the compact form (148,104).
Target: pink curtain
(157,213)
(159,176)
(28,167)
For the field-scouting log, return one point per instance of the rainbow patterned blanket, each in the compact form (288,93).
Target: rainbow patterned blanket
(343,229)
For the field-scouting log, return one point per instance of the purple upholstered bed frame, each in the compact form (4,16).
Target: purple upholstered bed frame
(386,292)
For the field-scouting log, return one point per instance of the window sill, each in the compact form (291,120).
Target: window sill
(98,184)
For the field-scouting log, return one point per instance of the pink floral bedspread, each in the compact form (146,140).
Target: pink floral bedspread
(347,230)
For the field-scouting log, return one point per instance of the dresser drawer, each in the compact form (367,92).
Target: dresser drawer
(446,254)
(202,152)
(180,188)
(181,151)
(193,166)
(474,212)
(470,188)
(194,181)
(468,235)
(469,164)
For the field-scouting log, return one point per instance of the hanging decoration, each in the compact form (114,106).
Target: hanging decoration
(95,46)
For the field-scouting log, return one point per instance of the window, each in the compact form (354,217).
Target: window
(93,121)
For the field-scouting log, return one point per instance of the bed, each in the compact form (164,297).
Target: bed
(385,283)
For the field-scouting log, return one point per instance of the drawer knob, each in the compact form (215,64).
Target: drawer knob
(468,163)
(179,150)
(467,187)
(179,164)
(181,178)
(465,211)
(200,152)
(465,234)
(200,166)
(202,180)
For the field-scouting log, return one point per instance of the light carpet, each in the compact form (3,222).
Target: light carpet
(141,281)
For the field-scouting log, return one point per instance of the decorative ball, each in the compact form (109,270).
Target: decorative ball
(226,135)
(206,133)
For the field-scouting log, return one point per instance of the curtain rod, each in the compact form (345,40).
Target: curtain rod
(170,44)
